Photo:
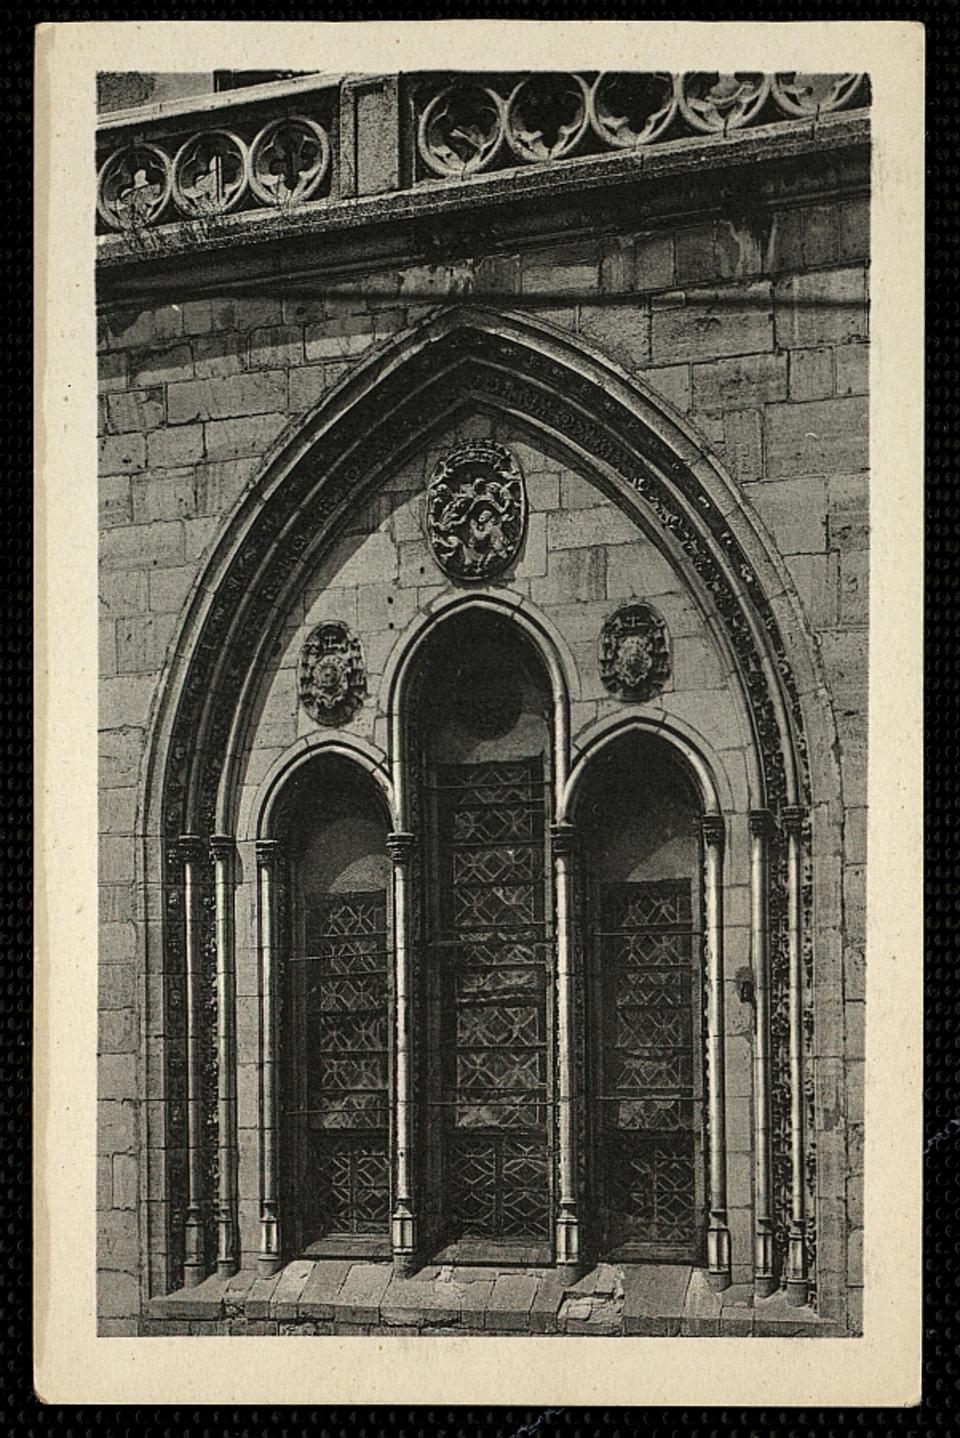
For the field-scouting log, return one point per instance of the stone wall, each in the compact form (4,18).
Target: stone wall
(755,332)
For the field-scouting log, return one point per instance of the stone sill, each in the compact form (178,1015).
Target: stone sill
(434,199)
(334,1296)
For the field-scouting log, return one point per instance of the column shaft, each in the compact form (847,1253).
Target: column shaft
(403,1222)
(718,1233)
(764,1277)
(194,1268)
(269,1257)
(222,851)
(797,1276)
(568,1223)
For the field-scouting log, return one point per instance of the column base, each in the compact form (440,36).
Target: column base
(227,1267)
(268,1264)
(764,1286)
(568,1241)
(403,1239)
(798,1292)
(718,1256)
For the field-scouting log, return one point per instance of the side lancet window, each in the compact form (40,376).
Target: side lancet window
(336,1003)
(639,916)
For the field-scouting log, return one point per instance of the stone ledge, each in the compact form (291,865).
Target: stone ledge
(341,1296)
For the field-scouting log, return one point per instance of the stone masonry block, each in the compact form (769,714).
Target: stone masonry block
(116,1126)
(853,365)
(741,383)
(137,409)
(161,365)
(829,307)
(817,577)
(794,510)
(119,758)
(855,229)
(126,700)
(811,374)
(639,573)
(125,1184)
(172,448)
(854,587)
(827,436)
(572,574)
(848,518)
(250,435)
(275,347)
(111,372)
(785,244)
(128,327)
(122,453)
(743,444)
(117,1077)
(736,250)
(118,1295)
(671,382)
(116,1031)
(117,810)
(341,337)
(587,528)
(821,235)
(141,546)
(114,504)
(622,330)
(117,1240)
(142,642)
(217,355)
(732,320)
(654,262)
(231,396)
(244,312)
(171,494)
(844,657)
(169,589)
(307,384)
(696,254)
(116,990)
(123,592)
(562,269)
(219,485)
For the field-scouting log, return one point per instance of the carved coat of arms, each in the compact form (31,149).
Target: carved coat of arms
(634,656)
(476,510)
(333,679)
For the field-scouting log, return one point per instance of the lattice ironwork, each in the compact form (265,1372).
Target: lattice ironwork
(341,1113)
(490,957)
(648,1115)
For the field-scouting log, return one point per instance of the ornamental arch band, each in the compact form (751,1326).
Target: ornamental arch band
(483,710)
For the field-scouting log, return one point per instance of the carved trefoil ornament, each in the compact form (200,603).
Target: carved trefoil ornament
(634,652)
(476,512)
(333,679)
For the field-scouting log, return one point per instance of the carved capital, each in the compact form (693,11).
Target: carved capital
(400,847)
(793,817)
(713,829)
(761,823)
(222,846)
(268,852)
(190,848)
(564,838)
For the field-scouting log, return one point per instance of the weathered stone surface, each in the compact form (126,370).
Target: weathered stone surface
(741,383)
(825,308)
(122,453)
(169,448)
(737,319)
(822,437)
(811,374)
(226,397)
(623,331)
(135,410)
(234,438)
(171,494)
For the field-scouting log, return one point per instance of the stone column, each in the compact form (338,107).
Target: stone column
(268,855)
(403,1227)
(797,1277)
(191,857)
(764,1278)
(718,1232)
(222,851)
(568,1222)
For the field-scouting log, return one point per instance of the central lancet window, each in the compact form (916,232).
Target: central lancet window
(481,749)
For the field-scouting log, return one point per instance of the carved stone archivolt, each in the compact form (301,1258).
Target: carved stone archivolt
(634,654)
(476,510)
(333,678)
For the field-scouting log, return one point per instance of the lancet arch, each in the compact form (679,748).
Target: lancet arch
(643,458)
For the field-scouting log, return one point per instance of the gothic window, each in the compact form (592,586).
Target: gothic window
(640,938)
(335,1092)
(484,765)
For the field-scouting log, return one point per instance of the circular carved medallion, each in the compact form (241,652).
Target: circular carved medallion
(632,109)
(476,510)
(713,103)
(634,657)
(333,679)
(289,160)
(210,173)
(134,186)
(461,129)
(801,94)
